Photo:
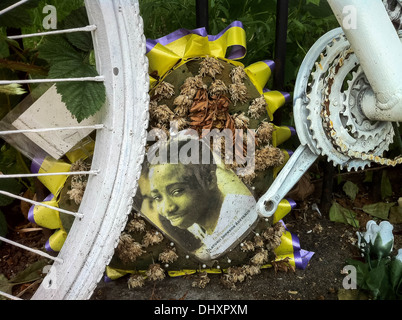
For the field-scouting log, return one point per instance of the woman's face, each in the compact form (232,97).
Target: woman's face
(177,195)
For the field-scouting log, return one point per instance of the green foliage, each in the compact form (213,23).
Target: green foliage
(32,273)
(337,213)
(382,278)
(351,190)
(69,57)
(379,210)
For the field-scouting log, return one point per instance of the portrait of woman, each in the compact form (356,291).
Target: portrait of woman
(202,206)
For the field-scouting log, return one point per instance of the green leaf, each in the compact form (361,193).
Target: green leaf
(5,285)
(31,273)
(351,190)
(77,19)
(378,281)
(386,188)
(9,185)
(379,209)
(57,50)
(19,16)
(337,213)
(4,51)
(83,99)
(316,2)
(395,274)
(395,215)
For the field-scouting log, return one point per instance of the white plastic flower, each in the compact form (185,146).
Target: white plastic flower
(399,255)
(379,238)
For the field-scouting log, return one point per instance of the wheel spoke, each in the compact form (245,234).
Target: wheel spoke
(13,6)
(38,130)
(38,252)
(47,33)
(35,175)
(11,195)
(9,296)
(82,79)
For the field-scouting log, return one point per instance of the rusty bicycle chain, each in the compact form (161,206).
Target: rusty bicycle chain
(330,130)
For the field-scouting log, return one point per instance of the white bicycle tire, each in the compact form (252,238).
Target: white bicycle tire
(119,151)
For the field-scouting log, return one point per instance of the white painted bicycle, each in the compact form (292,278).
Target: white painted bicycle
(348,93)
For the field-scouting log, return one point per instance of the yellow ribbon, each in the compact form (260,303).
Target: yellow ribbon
(180,46)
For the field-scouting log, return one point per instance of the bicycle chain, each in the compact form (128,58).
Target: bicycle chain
(342,138)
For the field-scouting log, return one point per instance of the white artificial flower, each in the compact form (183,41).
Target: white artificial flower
(379,238)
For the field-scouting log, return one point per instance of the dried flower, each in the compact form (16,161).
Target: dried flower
(252,270)
(164,90)
(155,272)
(283,265)
(273,236)
(210,67)
(181,122)
(201,280)
(151,238)
(257,108)
(238,93)
(183,101)
(227,281)
(264,132)
(128,250)
(168,256)
(77,190)
(247,246)
(79,181)
(260,257)
(236,274)
(135,281)
(80,165)
(268,157)
(160,113)
(217,88)
(136,225)
(248,178)
(258,241)
(191,85)
(241,121)
(238,74)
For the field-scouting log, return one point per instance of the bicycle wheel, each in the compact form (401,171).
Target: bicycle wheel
(120,147)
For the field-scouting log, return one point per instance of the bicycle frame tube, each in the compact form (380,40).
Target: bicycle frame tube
(376,44)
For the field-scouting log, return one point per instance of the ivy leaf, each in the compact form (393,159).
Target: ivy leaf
(337,213)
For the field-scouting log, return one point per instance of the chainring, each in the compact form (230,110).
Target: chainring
(331,103)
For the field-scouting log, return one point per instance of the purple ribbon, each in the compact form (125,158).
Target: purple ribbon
(237,51)
(31,216)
